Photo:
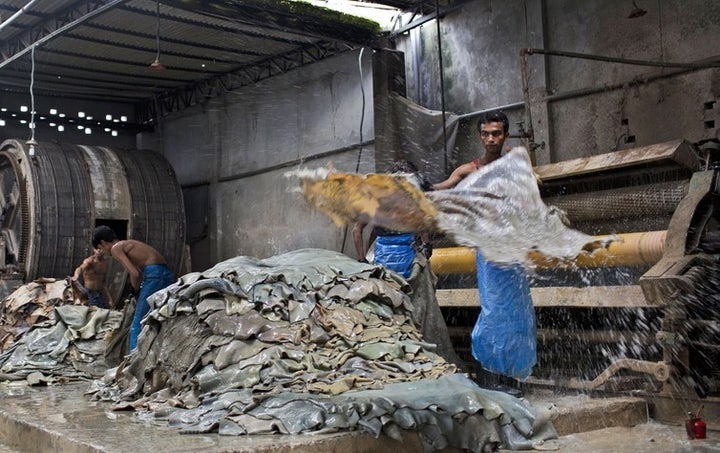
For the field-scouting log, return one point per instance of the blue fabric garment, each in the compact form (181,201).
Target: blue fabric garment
(396,251)
(96,298)
(155,278)
(504,339)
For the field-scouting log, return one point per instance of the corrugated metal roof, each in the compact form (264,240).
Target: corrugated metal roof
(103,49)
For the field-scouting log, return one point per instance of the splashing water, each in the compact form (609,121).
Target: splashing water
(497,209)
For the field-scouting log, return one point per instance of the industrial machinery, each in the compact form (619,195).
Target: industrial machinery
(54,195)
(641,316)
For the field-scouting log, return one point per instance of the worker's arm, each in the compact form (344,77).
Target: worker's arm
(119,251)
(456,176)
(358,229)
(79,270)
(425,246)
(108,298)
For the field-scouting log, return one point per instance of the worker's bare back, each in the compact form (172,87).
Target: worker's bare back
(138,253)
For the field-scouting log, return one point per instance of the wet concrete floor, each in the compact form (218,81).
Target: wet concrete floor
(61,419)
(648,437)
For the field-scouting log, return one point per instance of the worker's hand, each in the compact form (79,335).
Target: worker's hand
(426,249)
(538,179)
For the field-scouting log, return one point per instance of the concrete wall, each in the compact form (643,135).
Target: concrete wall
(230,155)
(573,111)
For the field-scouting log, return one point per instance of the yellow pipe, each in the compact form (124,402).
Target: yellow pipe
(632,249)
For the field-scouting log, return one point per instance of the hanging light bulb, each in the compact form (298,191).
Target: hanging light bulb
(156,65)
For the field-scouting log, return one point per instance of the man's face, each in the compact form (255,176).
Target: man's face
(492,136)
(103,248)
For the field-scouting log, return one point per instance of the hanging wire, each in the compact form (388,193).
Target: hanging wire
(442,86)
(362,112)
(362,121)
(32,141)
(156,64)
(157,30)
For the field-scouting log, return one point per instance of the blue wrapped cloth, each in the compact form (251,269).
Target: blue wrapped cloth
(155,278)
(396,251)
(504,339)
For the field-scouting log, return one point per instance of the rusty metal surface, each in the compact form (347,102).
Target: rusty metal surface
(679,152)
(52,201)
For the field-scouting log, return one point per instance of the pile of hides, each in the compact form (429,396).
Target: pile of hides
(497,209)
(307,341)
(48,332)
(32,303)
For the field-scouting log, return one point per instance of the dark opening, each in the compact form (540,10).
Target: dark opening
(710,124)
(119,226)
(624,121)
(710,105)
(630,139)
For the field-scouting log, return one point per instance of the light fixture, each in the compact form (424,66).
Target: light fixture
(156,65)
(636,12)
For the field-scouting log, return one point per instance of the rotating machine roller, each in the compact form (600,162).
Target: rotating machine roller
(53,198)
(642,315)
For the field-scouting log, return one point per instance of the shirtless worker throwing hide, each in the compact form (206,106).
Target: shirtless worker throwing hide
(145,266)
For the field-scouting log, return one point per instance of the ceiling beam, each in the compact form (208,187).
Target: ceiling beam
(289,17)
(21,44)
(199,92)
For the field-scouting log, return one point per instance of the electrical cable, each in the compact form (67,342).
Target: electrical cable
(362,112)
(32,141)
(442,87)
(362,120)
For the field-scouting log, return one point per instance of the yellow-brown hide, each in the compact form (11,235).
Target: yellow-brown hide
(390,201)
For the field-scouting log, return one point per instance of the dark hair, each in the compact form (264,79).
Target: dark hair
(494,117)
(403,166)
(103,233)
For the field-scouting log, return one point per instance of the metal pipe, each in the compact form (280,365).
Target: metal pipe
(412,25)
(61,30)
(526,99)
(631,249)
(585,56)
(506,107)
(19,13)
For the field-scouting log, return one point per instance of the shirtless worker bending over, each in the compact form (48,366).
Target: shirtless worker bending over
(146,267)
